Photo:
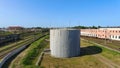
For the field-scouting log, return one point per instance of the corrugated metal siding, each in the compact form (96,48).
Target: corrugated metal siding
(64,42)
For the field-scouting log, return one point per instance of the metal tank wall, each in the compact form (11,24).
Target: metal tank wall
(64,42)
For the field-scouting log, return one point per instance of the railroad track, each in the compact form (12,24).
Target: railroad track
(16,44)
(8,50)
(13,44)
(5,51)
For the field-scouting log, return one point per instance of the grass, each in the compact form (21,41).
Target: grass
(86,61)
(76,62)
(13,44)
(3,33)
(34,51)
(109,43)
(8,48)
(27,39)
(28,58)
(111,55)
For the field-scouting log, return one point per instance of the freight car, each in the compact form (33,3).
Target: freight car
(9,38)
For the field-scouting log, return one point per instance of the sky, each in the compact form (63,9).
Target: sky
(59,13)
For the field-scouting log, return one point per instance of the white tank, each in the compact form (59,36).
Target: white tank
(64,42)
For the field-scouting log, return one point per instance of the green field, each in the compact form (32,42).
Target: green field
(3,33)
(109,54)
(92,56)
(4,50)
(76,62)
(28,58)
(109,43)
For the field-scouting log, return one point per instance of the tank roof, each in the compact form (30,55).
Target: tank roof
(64,29)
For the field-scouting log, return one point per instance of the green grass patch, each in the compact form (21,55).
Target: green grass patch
(75,62)
(34,50)
(3,33)
(110,54)
(109,43)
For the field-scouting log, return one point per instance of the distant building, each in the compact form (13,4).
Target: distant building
(104,33)
(2,29)
(36,29)
(15,29)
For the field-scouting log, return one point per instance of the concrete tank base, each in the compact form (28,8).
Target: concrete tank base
(65,43)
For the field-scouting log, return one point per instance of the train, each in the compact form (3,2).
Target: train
(9,38)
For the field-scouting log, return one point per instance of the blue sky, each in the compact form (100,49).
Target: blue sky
(59,13)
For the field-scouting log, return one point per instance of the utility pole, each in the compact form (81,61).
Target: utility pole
(105,36)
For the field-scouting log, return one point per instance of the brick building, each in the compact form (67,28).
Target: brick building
(104,33)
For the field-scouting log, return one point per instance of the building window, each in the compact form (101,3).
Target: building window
(116,37)
(119,37)
(113,36)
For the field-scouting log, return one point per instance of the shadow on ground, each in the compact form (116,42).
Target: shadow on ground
(90,50)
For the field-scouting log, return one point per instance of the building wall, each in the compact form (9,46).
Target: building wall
(15,29)
(104,33)
(64,42)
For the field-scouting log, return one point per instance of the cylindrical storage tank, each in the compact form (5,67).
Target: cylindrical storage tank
(65,43)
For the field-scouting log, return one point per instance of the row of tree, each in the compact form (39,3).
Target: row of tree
(87,27)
